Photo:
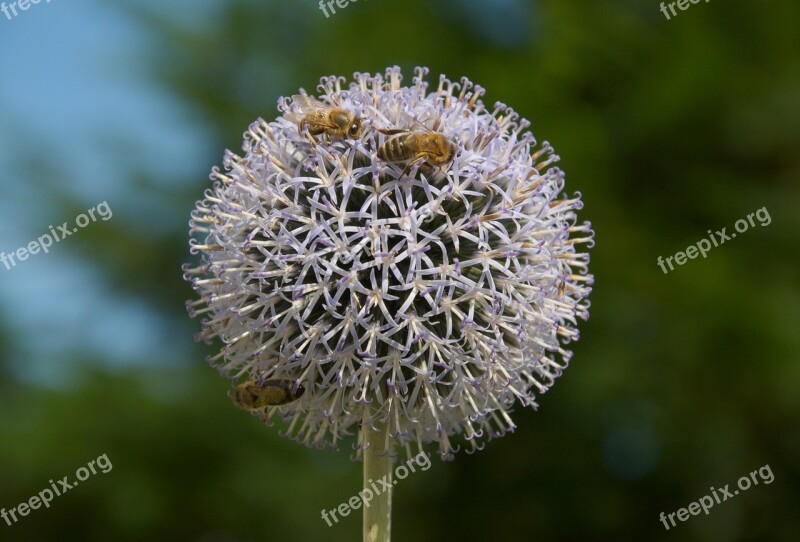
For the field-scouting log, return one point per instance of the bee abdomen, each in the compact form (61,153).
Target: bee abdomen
(393,150)
(276,393)
(253,395)
(280,392)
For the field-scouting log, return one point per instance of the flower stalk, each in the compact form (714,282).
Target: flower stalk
(377,465)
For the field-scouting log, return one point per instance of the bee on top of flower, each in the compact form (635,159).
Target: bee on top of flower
(405,255)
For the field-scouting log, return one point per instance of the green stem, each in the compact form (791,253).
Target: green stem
(377,465)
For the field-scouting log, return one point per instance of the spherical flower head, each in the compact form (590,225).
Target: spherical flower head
(429,296)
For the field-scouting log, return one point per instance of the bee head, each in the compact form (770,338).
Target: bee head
(449,148)
(297,392)
(239,397)
(354,131)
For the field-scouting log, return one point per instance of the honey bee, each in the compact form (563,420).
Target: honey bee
(417,147)
(336,122)
(252,395)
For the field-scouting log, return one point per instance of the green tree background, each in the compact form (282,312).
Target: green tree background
(679,382)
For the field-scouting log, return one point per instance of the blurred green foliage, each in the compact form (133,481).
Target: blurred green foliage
(679,382)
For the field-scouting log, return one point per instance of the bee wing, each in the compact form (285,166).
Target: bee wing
(306,104)
(406,124)
(414,124)
(303,106)
(396,120)
(419,125)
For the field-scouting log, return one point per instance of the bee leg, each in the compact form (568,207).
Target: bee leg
(440,170)
(311,140)
(411,165)
(391,132)
(301,126)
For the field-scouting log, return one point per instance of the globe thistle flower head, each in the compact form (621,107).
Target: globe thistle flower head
(432,297)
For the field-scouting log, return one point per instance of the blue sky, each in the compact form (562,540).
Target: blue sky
(72,84)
